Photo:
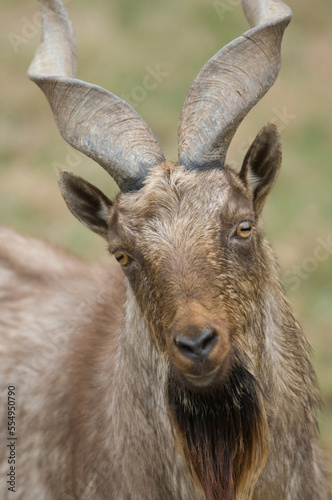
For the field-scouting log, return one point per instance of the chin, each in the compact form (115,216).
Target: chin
(203,380)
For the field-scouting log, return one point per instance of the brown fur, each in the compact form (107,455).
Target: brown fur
(96,415)
(185,376)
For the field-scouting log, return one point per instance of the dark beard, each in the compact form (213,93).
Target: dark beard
(222,433)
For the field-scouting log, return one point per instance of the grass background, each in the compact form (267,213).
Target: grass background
(118,40)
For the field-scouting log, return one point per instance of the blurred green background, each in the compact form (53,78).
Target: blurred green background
(122,41)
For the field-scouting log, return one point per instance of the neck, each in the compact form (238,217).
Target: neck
(140,372)
(289,383)
(137,351)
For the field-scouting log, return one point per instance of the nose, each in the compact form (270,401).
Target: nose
(196,347)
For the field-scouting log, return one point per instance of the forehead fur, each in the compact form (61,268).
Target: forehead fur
(172,193)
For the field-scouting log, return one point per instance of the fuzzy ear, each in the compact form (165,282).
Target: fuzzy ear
(85,201)
(261,164)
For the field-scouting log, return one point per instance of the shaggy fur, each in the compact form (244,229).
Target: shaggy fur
(183,376)
(222,433)
(101,394)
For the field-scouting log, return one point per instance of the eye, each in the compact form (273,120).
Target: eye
(244,229)
(121,257)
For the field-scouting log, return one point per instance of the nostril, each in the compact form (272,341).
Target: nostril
(206,340)
(187,347)
(198,347)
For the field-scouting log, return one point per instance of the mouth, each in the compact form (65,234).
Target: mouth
(202,380)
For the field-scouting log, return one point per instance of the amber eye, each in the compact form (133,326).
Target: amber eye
(244,229)
(122,258)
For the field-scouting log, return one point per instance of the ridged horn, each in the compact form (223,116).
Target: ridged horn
(230,84)
(91,119)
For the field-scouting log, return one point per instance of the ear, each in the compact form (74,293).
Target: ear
(85,201)
(261,164)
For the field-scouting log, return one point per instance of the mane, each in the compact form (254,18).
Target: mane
(223,434)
